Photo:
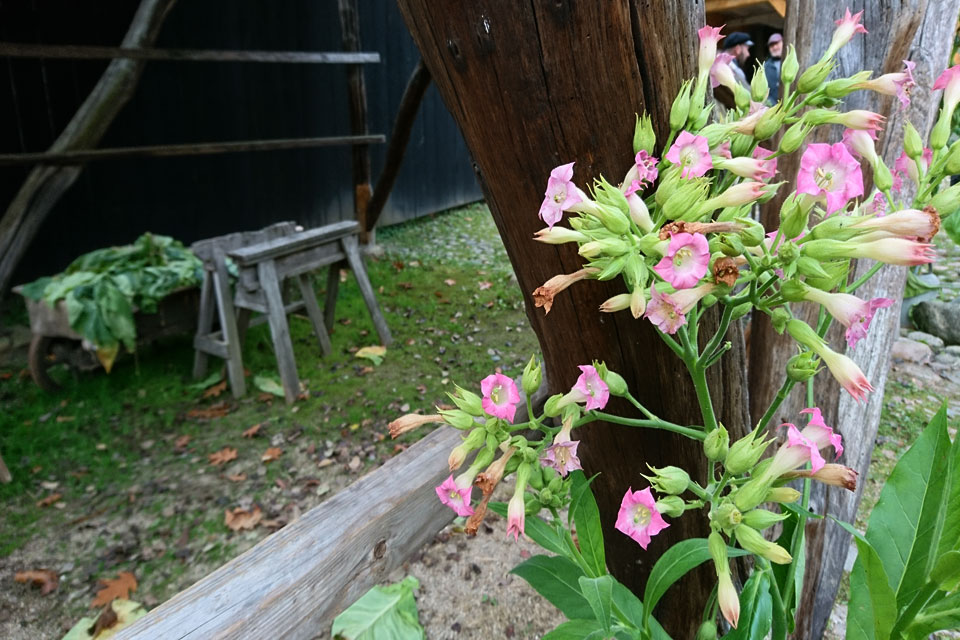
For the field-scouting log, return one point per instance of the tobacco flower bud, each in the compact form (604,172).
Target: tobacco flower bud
(751,540)
(782,495)
(644,139)
(672,506)
(532,377)
(745,452)
(466,400)
(669,480)
(794,137)
(789,67)
(760,519)
(814,76)
(680,108)
(717,444)
(912,143)
(727,516)
(803,366)
(457,418)
(769,122)
(759,89)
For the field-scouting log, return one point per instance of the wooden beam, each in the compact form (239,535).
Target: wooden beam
(171,150)
(294,582)
(76,52)
(727,5)
(780,6)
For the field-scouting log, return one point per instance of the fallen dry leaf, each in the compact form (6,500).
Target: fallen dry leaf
(217,410)
(223,456)
(181,442)
(241,518)
(271,454)
(354,463)
(406,286)
(449,282)
(46,579)
(266,397)
(273,524)
(236,477)
(215,390)
(49,500)
(119,587)
(484,285)
(107,619)
(252,431)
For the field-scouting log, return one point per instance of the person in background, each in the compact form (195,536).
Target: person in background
(771,67)
(738,44)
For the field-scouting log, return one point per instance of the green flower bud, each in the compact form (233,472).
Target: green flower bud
(752,493)
(457,418)
(881,176)
(669,480)
(681,108)
(794,137)
(751,540)
(745,452)
(953,159)
(769,123)
(789,67)
(837,271)
(783,495)
(779,318)
(669,181)
(844,86)
(552,406)
(941,132)
(912,142)
(814,76)
(536,477)
(555,483)
(759,89)
(652,246)
(546,495)
(793,290)
(741,310)
(467,401)
(715,133)
(613,268)
(753,233)
(741,145)
(788,252)
(672,506)
(794,214)
(717,444)
(741,97)
(686,200)
(532,377)
(947,201)
(484,458)
(531,506)
(718,551)
(644,139)
(803,366)
(614,381)
(707,631)
(704,117)
(727,516)
(610,214)
(760,519)
(730,244)
(807,266)
(836,228)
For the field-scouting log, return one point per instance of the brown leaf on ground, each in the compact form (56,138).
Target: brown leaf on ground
(252,431)
(266,397)
(365,370)
(119,587)
(277,523)
(406,286)
(241,518)
(66,418)
(236,477)
(271,454)
(107,619)
(223,456)
(46,579)
(49,500)
(215,390)
(484,285)
(217,410)
(181,443)
(449,282)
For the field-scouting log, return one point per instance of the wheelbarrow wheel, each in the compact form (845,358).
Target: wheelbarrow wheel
(41,358)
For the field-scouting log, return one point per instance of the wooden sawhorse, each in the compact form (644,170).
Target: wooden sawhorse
(264,259)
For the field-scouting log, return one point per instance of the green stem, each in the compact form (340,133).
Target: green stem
(698,491)
(916,605)
(698,374)
(777,401)
(642,408)
(690,432)
(718,336)
(780,614)
(862,279)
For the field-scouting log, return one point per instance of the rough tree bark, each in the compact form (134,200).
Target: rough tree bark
(45,184)
(536,84)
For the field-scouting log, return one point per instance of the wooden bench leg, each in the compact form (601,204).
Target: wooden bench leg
(228,325)
(333,284)
(243,323)
(279,330)
(351,248)
(204,323)
(313,310)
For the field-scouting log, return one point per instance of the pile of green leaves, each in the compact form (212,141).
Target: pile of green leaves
(101,289)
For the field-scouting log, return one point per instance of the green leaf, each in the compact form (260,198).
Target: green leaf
(792,527)
(949,536)
(586,516)
(577,630)
(630,605)
(539,530)
(268,384)
(951,224)
(872,610)
(755,585)
(209,381)
(599,593)
(945,614)
(909,513)
(558,580)
(762,619)
(382,612)
(946,571)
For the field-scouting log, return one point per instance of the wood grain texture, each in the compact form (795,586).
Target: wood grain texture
(77,52)
(540,83)
(294,582)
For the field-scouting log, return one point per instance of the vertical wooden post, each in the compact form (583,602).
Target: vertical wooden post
(350,30)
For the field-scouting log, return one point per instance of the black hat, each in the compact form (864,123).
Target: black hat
(735,38)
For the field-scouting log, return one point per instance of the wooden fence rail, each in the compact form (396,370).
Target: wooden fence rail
(77,52)
(294,582)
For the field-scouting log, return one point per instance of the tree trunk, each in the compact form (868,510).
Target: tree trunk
(45,185)
(905,30)
(537,84)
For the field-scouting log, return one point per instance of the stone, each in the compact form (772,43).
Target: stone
(911,351)
(939,318)
(947,359)
(932,341)
(953,349)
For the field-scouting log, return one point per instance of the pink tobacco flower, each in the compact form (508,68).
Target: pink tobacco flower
(860,119)
(770,165)
(836,475)
(686,261)
(643,172)
(904,166)
(852,312)
(847,27)
(721,73)
(686,299)
(590,388)
(692,153)
(949,81)
(561,194)
(709,37)
(830,171)
(515,516)
(638,516)
(739,194)
(820,433)
(803,446)
(899,251)
(562,456)
(847,373)
(746,167)
(748,124)
(544,294)
(877,205)
(728,599)
(663,312)
(500,396)
(723,150)
(456,497)
(860,144)
(894,84)
(912,223)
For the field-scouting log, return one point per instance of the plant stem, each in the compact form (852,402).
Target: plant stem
(777,401)
(690,432)
(779,631)
(642,408)
(862,279)
(719,335)
(698,374)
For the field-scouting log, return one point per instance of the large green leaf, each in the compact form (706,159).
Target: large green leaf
(949,535)
(938,617)
(674,564)
(792,528)
(872,610)
(951,224)
(910,512)
(558,580)
(586,516)
(540,531)
(577,630)
(599,593)
(754,590)
(630,606)
(382,612)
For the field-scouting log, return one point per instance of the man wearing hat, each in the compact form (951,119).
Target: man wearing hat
(771,67)
(738,44)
